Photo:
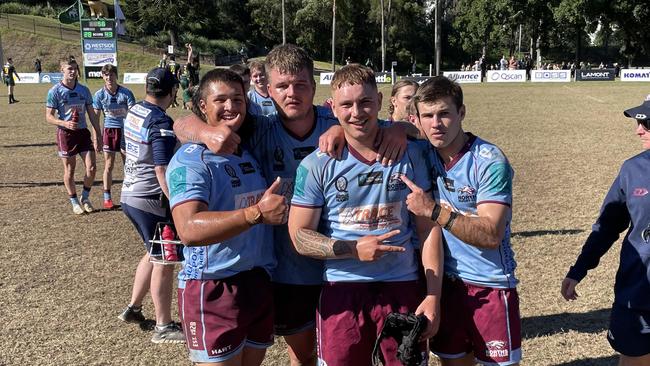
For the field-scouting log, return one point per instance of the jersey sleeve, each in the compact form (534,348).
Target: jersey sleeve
(495,178)
(130,99)
(308,188)
(52,101)
(163,141)
(97,100)
(421,172)
(614,218)
(188,179)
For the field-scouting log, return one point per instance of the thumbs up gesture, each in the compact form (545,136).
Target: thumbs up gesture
(273,206)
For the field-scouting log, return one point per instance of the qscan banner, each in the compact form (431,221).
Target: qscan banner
(596,75)
(550,76)
(27,78)
(506,76)
(135,77)
(51,77)
(635,75)
(463,77)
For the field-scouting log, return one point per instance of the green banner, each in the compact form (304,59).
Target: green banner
(70,15)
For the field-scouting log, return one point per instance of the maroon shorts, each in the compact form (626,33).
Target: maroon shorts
(351,315)
(480,320)
(112,139)
(72,142)
(221,317)
(295,307)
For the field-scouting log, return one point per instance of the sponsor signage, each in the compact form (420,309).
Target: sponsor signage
(635,75)
(550,76)
(326,78)
(51,77)
(463,77)
(383,78)
(93,72)
(135,78)
(100,59)
(417,79)
(27,78)
(596,75)
(99,45)
(506,76)
(98,28)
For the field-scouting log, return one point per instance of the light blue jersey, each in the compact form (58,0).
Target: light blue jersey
(224,183)
(115,106)
(279,154)
(359,198)
(479,174)
(66,100)
(266,105)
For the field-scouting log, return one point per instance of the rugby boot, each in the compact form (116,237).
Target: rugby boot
(76,208)
(131,315)
(87,206)
(108,204)
(170,333)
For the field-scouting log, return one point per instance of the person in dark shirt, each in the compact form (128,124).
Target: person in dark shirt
(625,207)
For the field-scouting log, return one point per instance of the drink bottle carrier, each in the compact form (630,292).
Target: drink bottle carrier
(166,247)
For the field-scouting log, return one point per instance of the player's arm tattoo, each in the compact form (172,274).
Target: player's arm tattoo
(476,231)
(316,245)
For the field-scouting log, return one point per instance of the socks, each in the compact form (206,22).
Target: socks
(74,200)
(85,193)
(107,195)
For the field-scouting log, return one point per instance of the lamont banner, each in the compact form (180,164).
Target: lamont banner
(463,77)
(506,76)
(596,75)
(635,75)
(550,76)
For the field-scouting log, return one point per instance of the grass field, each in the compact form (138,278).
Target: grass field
(64,278)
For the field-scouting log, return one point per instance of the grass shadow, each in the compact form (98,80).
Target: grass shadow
(527,234)
(48,184)
(545,325)
(600,361)
(31,145)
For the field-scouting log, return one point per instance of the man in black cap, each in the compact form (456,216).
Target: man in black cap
(150,143)
(625,207)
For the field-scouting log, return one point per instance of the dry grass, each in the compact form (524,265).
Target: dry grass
(64,278)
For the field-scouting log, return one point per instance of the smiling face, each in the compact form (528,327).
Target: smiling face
(259,80)
(400,101)
(357,107)
(224,102)
(110,80)
(293,93)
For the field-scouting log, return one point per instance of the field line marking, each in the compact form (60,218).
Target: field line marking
(596,99)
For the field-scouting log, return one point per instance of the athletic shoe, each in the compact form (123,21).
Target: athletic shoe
(171,333)
(108,204)
(131,316)
(87,206)
(76,208)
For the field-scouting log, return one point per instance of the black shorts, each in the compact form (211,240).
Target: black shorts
(629,331)
(295,307)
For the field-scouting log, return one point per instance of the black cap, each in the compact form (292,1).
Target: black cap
(640,112)
(160,81)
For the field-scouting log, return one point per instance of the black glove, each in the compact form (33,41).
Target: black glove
(406,329)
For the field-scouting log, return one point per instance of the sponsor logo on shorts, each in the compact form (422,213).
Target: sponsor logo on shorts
(639,192)
(466,194)
(645,235)
(496,349)
(371,178)
(220,351)
(371,217)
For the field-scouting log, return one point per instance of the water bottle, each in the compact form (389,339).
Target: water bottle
(169,249)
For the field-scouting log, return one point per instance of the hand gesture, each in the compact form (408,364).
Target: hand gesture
(430,307)
(273,206)
(371,247)
(332,142)
(391,144)
(568,289)
(221,139)
(96,143)
(418,201)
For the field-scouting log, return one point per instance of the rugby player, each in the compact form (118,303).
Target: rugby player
(260,93)
(473,198)
(66,107)
(351,213)
(218,203)
(114,100)
(150,143)
(625,207)
(8,73)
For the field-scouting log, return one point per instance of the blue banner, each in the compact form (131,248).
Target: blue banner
(99,45)
(51,77)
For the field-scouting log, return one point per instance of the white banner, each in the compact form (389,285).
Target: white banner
(550,76)
(463,77)
(135,78)
(635,75)
(506,76)
(27,78)
(326,78)
(100,59)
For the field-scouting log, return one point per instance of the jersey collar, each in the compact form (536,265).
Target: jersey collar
(460,154)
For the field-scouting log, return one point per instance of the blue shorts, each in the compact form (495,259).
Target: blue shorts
(145,221)
(629,331)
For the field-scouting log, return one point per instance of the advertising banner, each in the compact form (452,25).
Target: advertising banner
(463,77)
(550,76)
(100,59)
(93,72)
(383,78)
(506,76)
(635,75)
(418,79)
(99,45)
(326,78)
(596,75)
(135,78)
(51,77)
(27,78)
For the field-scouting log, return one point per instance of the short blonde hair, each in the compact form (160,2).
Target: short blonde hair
(353,74)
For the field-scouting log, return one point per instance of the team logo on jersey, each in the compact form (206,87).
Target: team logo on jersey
(639,192)
(278,159)
(395,183)
(645,235)
(449,184)
(367,179)
(341,185)
(267,103)
(300,153)
(466,194)
(234,179)
(496,349)
(486,153)
(177,181)
(247,168)
(371,217)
